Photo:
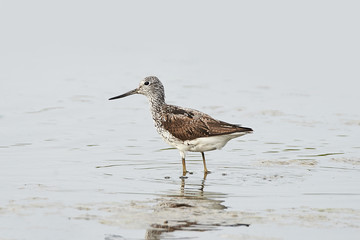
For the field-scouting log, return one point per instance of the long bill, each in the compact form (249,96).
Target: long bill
(135,91)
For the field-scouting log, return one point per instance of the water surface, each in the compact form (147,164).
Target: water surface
(77,166)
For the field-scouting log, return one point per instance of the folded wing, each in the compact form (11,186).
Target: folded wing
(188,124)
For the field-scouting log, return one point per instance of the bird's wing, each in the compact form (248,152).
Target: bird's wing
(188,124)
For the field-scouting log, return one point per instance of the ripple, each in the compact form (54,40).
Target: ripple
(291,149)
(322,154)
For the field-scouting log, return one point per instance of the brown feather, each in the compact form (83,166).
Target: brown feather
(188,124)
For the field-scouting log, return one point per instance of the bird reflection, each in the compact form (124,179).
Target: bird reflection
(188,209)
(201,189)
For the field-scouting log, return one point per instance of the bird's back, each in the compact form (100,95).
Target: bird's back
(189,124)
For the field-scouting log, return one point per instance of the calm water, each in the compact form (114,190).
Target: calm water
(77,166)
(80,166)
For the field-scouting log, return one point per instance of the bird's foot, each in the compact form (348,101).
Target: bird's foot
(206,173)
(184,174)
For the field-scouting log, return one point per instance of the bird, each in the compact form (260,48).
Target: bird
(186,129)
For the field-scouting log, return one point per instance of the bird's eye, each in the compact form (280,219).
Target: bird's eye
(146,83)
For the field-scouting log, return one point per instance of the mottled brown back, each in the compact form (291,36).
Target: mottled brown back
(188,124)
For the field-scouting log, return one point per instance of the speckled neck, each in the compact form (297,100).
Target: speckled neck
(156,102)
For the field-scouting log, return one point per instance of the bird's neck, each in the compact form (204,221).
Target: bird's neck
(156,108)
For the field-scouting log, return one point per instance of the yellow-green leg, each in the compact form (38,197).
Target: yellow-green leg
(203,157)
(184,166)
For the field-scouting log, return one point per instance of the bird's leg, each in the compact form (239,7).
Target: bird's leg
(184,165)
(205,169)
(183,154)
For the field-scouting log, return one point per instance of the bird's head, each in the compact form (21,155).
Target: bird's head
(150,86)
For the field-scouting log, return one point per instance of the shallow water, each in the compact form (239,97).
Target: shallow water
(77,166)
(80,166)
